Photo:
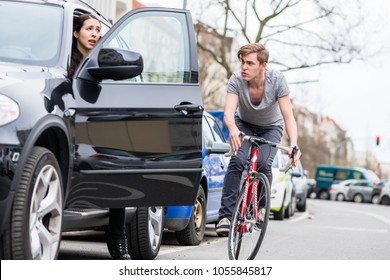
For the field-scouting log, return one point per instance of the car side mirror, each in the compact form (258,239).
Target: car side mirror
(218,148)
(296,174)
(117,64)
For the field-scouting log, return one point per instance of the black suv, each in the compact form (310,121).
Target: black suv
(126,132)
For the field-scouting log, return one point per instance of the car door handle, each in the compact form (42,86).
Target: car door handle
(186,109)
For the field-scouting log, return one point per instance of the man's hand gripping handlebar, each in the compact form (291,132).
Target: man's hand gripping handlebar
(262,141)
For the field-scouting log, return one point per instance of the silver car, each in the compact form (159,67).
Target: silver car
(384,198)
(339,190)
(361,191)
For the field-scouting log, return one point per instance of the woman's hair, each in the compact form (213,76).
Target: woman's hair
(76,56)
(262,52)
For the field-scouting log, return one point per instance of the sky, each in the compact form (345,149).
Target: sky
(356,95)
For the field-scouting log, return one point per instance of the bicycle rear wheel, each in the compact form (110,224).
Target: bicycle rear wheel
(247,233)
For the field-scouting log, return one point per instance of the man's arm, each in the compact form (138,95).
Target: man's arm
(228,118)
(290,123)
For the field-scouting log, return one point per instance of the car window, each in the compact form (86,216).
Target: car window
(164,46)
(357,175)
(341,175)
(35,43)
(211,132)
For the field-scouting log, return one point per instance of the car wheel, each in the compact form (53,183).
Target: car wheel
(375,199)
(34,231)
(290,210)
(279,215)
(324,195)
(340,197)
(358,198)
(302,207)
(312,195)
(145,233)
(385,200)
(194,232)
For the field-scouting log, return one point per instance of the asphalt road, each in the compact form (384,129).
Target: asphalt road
(328,230)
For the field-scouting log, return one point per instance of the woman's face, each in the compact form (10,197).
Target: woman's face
(88,35)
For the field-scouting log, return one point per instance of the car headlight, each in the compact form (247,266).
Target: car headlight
(9,110)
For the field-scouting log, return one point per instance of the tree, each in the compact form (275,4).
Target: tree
(300,34)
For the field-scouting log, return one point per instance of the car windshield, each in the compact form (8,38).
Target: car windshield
(30,33)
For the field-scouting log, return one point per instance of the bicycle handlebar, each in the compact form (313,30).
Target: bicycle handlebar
(262,141)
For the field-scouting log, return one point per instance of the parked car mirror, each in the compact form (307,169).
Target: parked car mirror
(296,174)
(117,64)
(218,148)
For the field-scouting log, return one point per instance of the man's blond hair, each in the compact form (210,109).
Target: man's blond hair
(262,52)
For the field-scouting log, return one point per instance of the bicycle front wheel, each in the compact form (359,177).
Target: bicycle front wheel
(247,232)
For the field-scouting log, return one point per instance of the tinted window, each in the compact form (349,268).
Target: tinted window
(30,33)
(341,175)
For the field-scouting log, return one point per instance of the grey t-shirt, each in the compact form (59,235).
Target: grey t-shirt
(267,113)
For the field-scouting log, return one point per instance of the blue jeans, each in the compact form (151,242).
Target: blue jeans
(237,163)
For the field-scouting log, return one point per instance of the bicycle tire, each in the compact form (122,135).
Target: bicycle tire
(245,238)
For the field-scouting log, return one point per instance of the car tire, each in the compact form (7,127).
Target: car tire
(194,232)
(145,233)
(34,230)
(358,198)
(290,210)
(279,215)
(375,199)
(324,195)
(385,200)
(312,195)
(302,207)
(340,197)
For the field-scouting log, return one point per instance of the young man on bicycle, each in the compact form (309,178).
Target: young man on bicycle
(257,103)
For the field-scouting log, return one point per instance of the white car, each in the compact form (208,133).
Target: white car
(283,199)
(384,198)
(339,190)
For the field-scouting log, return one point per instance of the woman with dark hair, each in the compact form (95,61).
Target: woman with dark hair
(86,33)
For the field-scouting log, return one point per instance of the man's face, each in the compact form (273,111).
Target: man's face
(251,67)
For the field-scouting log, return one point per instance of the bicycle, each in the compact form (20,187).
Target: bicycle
(251,213)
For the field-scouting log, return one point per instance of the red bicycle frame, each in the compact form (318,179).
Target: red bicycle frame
(249,187)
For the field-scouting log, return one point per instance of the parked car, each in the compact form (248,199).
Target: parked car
(384,197)
(326,175)
(299,181)
(189,222)
(338,191)
(283,197)
(360,191)
(376,191)
(134,94)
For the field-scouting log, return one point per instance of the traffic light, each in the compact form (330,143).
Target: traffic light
(378,140)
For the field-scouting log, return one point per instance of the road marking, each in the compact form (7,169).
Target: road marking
(167,249)
(375,216)
(350,229)
(305,215)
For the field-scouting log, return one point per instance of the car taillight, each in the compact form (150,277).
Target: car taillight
(100,156)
